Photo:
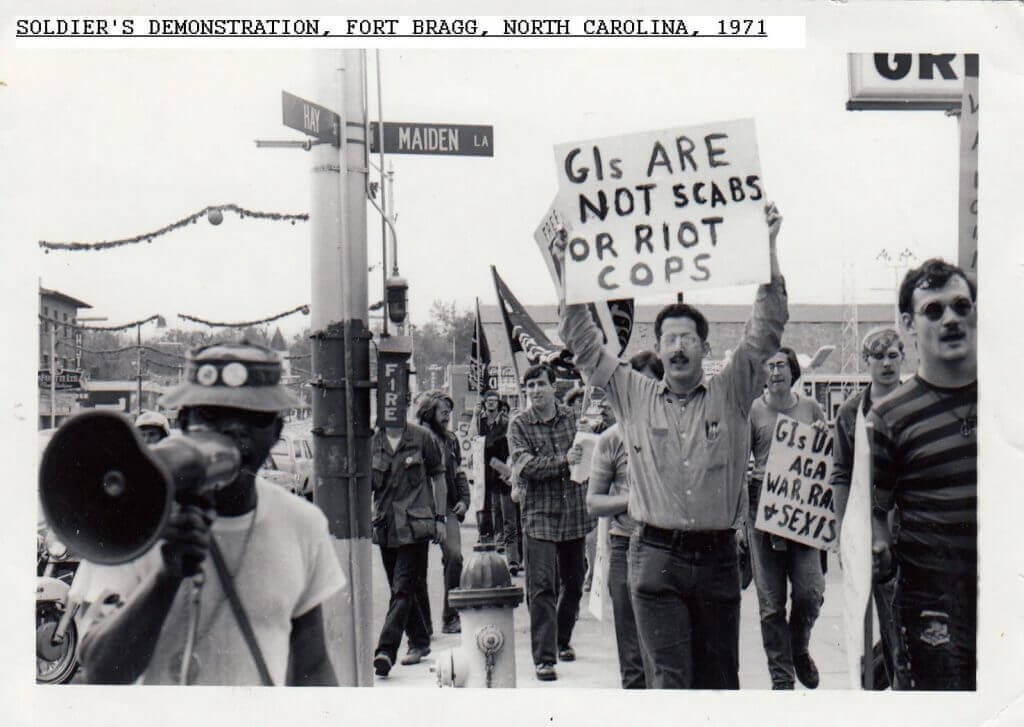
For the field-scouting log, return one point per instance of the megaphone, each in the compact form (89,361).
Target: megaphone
(107,494)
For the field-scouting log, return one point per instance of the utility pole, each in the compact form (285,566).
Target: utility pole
(340,360)
(138,368)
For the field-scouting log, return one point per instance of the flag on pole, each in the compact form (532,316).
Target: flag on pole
(480,356)
(525,336)
(855,549)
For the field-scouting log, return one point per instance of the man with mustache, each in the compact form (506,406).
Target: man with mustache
(555,519)
(275,547)
(924,466)
(882,351)
(688,440)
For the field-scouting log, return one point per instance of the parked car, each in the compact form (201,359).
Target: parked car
(293,454)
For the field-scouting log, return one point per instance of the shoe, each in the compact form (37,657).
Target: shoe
(546,672)
(452,626)
(514,569)
(788,685)
(381,664)
(415,656)
(806,671)
(567,654)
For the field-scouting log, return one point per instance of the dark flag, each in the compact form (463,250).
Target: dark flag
(480,356)
(615,316)
(526,336)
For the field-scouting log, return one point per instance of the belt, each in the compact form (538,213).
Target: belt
(687,539)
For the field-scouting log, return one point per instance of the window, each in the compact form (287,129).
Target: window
(280,447)
(46,311)
(298,449)
(46,359)
(65,317)
(309,452)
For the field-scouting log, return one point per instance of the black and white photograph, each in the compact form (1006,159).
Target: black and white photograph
(586,349)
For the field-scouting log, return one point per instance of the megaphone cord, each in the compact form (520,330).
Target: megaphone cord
(193,627)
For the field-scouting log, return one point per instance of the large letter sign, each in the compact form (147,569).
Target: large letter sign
(656,213)
(796,499)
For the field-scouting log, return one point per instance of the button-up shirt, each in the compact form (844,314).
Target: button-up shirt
(687,454)
(403,494)
(555,507)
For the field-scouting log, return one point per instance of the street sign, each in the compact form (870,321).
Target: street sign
(403,137)
(311,118)
(66,379)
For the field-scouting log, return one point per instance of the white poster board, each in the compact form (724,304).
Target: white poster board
(477,472)
(600,599)
(797,501)
(660,212)
(546,235)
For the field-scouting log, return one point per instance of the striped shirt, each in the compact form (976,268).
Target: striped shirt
(925,467)
(555,507)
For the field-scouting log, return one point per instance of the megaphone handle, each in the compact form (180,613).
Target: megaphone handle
(193,627)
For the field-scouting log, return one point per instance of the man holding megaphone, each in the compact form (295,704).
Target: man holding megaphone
(230,587)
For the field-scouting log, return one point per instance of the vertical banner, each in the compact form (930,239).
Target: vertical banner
(796,499)
(658,212)
(392,389)
(477,472)
(967,256)
(600,599)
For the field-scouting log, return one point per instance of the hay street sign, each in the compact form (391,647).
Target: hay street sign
(311,118)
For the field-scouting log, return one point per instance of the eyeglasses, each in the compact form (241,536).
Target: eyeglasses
(936,309)
(778,365)
(891,355)
(214,417)
(669,340)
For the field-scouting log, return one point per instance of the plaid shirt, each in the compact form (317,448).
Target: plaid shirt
(555,507)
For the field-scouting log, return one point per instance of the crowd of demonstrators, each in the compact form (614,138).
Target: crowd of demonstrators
(779,564)
(275,549)
(882,351)
(924,470)
(689,443)
(555,520)
(608,495)
(501,516)
(433,413)
(410,498)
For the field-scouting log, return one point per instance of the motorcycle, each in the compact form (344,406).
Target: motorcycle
(56,630)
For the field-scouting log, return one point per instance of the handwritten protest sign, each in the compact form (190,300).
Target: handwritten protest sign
(659,212)
(546,235)
(600,599)
(796,500)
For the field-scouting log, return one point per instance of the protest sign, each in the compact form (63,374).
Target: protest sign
(600,599)
(546,235)
(796,499)
(659,212)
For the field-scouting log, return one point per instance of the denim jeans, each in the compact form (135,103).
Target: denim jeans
(451,562)
(799,565)
(893,654)
(938,615)
(632,665)
(554,581)
(686,598)
(505,513)
(406,569)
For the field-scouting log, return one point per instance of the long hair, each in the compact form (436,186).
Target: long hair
(427,409)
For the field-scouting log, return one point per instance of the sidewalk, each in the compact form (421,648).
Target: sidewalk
(596,664)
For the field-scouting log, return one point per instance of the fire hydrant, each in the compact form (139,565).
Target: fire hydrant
(485,600)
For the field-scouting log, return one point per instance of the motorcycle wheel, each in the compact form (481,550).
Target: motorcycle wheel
(55,663)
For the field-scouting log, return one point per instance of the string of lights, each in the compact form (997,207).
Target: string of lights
(158,318)
(215,214)
(304,309)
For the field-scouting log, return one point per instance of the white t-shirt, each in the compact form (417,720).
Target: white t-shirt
(288,568)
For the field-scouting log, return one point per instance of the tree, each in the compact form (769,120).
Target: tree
(433,340)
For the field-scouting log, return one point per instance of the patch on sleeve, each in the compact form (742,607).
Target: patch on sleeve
(934,628)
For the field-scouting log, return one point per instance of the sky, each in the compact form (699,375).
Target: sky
(99,145)
(127,142)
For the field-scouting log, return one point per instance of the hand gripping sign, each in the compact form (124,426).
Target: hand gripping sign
(659,212)
(796,499)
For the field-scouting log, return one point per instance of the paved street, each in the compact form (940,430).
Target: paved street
(596,664)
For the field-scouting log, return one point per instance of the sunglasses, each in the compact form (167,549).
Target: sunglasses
(214,417)
(936,309)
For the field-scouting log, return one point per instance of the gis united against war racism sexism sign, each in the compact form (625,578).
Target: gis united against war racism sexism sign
(796,499)
(659,212)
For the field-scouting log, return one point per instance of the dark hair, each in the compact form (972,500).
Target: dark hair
(794,364)
(932,273)
(427,407)
(535,371)
(647,360)
(682,310)
(572,395)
